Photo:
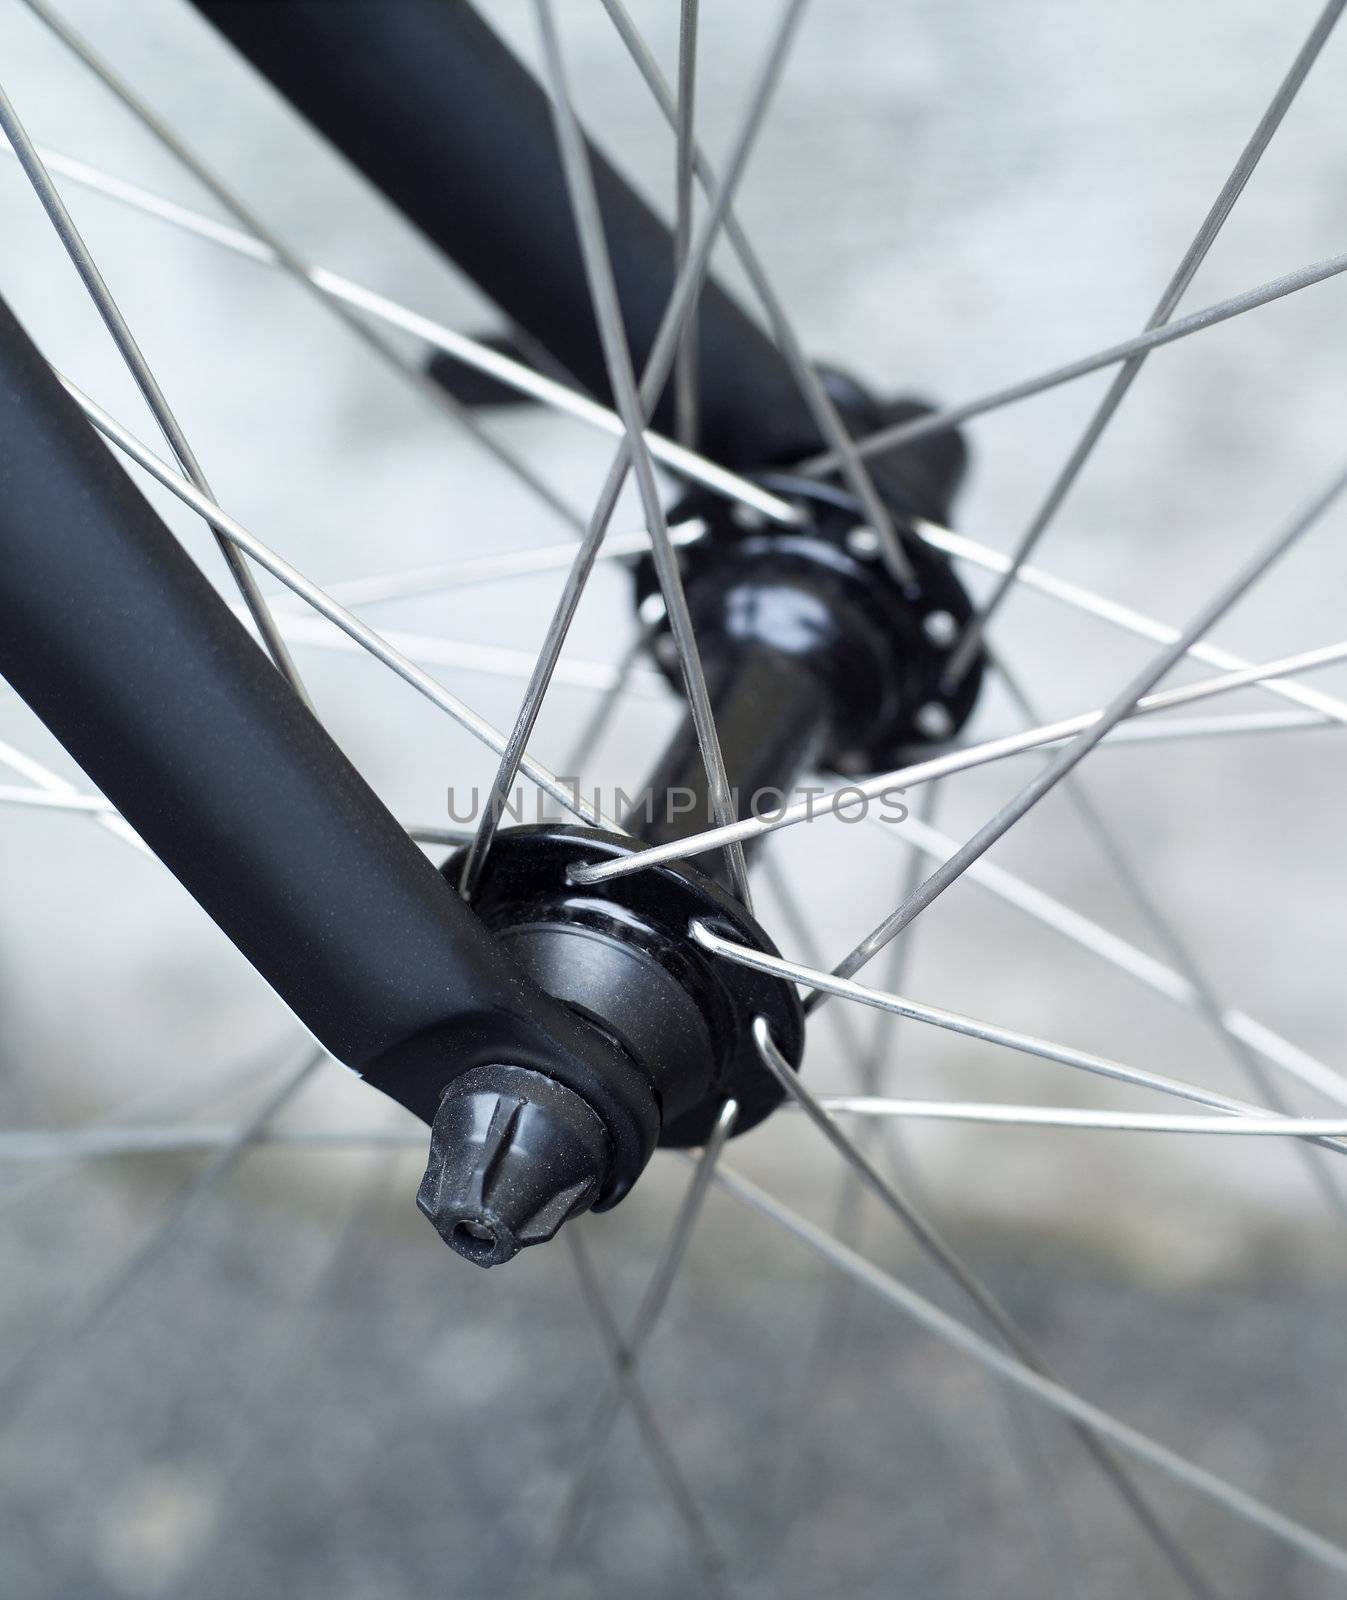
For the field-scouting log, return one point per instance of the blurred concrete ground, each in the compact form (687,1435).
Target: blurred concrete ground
(950,196)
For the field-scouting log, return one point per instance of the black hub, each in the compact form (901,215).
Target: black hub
(619,953)
(818,599)
(817,656)
(513,1154)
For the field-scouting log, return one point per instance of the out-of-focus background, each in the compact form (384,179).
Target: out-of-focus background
(301,1391)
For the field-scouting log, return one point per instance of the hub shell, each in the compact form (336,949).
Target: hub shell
(818,600)
(621,956)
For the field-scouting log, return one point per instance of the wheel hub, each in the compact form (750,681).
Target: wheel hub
(514,1154)
(817,655)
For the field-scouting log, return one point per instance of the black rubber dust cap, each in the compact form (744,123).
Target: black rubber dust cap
(513,1153)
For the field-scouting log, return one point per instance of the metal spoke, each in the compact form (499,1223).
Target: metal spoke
(1174,291)
(42,799)
(1216,727)
(365,636)
(826,416)
(418,582)
(961,758)
(461,655)
(681,1498)
(648,1312)
(625,1388)
(1171,729)
(633,406)
(1250,1510)
(295,266)
(39,1146)
(1208,317)
(482,358)
(1071,754)
(1279,1126)
(50,790)
(975,1028)
(22,1378)
(997,1317)
(73,242)
(686,378)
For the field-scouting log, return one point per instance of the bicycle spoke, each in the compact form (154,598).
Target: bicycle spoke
(1177,286)
(825,414)
(962,758)
(41,799)
(686,376)
(461,655)
(1246,1507)
(1216,727)
(418,582)
(1171,729)
(680,1495)
(482,358)
(1141,344)
(38,1146)
(1278,1127)
(132,355)
(52,792)
(365,636)
(648,1312)
(997,1317)
(299,270)
(1074,752)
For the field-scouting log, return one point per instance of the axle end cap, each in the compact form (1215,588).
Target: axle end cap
(513,1154)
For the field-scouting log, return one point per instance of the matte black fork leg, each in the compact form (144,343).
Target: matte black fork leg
(126,652)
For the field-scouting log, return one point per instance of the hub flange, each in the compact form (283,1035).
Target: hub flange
(819,600)
(619,953)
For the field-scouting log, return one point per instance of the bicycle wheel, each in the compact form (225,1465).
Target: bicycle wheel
(999,1184)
